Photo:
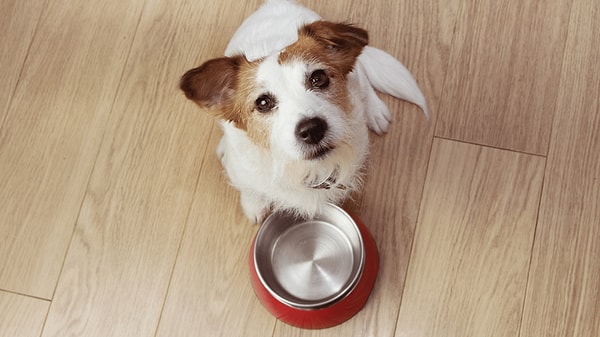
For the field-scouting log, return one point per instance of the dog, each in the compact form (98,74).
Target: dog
(295,97)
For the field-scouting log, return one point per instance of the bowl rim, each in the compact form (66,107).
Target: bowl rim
(328,301)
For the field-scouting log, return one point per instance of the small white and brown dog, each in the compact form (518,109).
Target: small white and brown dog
(295,98)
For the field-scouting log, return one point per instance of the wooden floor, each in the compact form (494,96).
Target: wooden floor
(116,219)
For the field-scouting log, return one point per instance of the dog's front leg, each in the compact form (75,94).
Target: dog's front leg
(378,114)
(376,111)
(254,206)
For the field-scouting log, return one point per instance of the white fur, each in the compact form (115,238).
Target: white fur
(271,28)
(276,177)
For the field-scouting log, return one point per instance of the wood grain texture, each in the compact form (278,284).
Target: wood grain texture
(120,261)
(210,293)
(564,284)
(18,20)
(502,84)
(51,134)
(469,263)
(21,316)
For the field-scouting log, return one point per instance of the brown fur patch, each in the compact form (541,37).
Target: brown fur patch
(332,47)
(340,43)
(212,83)
(226,87)
(243,106)
(216,85)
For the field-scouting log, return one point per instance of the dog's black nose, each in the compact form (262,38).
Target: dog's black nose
(311,130)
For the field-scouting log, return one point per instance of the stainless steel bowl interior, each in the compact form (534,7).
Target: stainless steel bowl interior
(309,263)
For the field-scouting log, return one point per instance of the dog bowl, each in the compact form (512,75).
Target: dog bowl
(313,273)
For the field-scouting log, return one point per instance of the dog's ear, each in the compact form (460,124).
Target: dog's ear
(344,41)
(213,83)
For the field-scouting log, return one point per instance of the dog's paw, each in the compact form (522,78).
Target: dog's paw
(378,116)
(254,207)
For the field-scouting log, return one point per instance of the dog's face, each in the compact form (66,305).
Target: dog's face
(295,103)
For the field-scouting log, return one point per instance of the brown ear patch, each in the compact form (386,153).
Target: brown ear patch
(342,42)
(337,35)
(213,83)
(224,86)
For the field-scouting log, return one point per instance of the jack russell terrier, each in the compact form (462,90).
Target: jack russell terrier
(295,97)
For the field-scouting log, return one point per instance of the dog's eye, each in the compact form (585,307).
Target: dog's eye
(318,79)
(265,103)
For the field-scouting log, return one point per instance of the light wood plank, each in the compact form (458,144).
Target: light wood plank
(120,261)
(502,84)
(21,316)
(564,285)
(210,292)
(469,262)
(52,132)
(18,19)
(419,34)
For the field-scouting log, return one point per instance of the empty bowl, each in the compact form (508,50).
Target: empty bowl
(313,273)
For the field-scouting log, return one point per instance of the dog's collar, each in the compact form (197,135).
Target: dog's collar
(327,183)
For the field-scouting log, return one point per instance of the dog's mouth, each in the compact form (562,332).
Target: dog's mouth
(318,152)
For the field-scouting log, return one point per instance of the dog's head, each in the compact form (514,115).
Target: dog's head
(296,102)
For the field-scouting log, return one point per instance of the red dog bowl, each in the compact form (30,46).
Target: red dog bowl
(313,273)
